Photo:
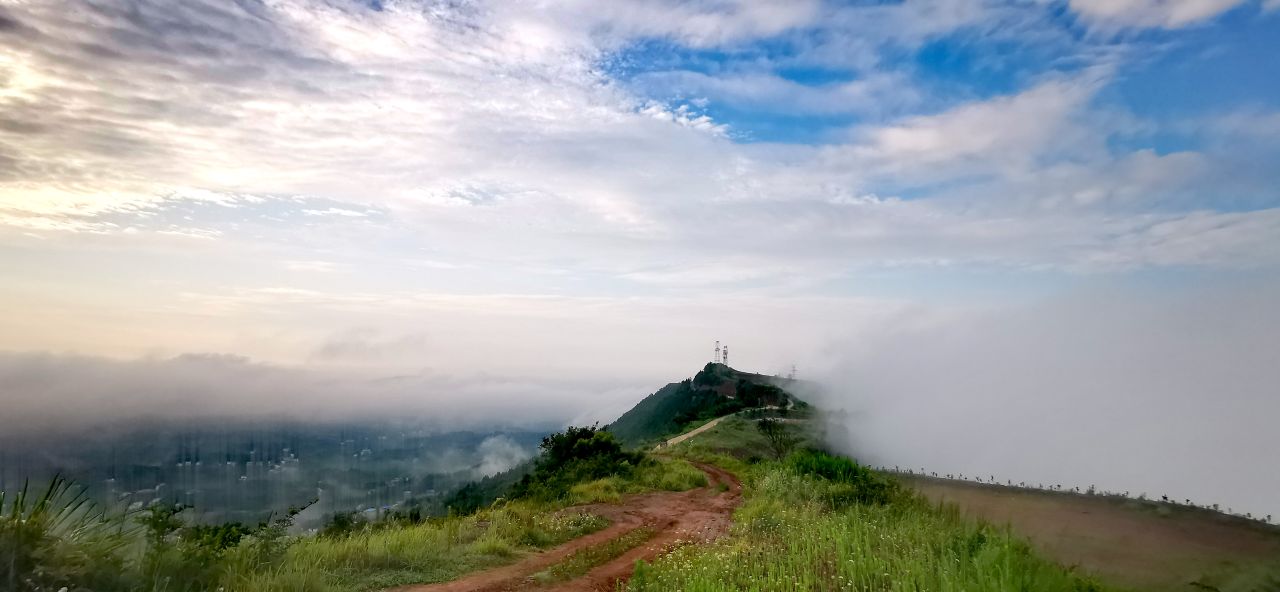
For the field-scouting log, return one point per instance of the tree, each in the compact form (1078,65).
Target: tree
(781,438)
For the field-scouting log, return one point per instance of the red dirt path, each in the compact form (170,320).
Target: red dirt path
(697,515)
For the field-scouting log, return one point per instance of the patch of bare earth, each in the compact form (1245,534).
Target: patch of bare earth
(1121,542)
(694,516)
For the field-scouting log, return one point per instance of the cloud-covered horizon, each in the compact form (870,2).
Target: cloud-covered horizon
(1172,394)
(68,395)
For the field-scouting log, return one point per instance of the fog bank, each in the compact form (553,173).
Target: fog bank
(50,395)
(1172,394)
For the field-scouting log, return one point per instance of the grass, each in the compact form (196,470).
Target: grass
(799,530)
(583,561)
(655,473)
(55,538)
(444,549)
(733,444)
(434,551)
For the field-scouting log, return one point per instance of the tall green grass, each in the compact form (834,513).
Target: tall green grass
(661,474)
(433,551)
(803,528)
(55,538)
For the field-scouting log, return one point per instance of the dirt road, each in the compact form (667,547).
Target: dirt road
(691,433)
(697,515)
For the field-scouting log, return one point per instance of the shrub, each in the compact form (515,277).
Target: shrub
(853,483)
(573,456)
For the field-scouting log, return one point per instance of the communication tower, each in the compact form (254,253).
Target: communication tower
(717,358)
(724,355)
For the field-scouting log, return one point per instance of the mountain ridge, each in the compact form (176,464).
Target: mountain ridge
(714,391)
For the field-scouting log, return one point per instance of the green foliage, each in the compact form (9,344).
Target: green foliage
(576,455)
(341,524)
(780,437)
(159,521)
(852,483)
(584,560)
(58,539)
(467,499)
(215,537)
(711,375)
(754,394)
(435,550)
(667,411)
(667,475)
(789,536)
(735,440)
(651,474)
(479,494)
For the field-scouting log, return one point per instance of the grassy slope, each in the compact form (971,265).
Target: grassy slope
(799,532)
(436,551)
(788,536)
(83,550)
(734,437)
(669,410)
(654,416)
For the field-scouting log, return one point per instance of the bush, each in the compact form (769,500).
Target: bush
(576,455)
(851,482)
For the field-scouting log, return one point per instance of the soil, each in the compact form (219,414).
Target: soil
(678,518)
(1123,542)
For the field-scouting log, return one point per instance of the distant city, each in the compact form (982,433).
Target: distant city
(247,473)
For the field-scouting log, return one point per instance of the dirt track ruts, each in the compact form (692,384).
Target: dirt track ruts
(697,515)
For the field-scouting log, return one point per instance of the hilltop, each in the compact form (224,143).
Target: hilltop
(715,391)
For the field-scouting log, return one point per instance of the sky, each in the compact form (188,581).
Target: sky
(544,210)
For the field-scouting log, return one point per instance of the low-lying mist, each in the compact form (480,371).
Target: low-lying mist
(50,396)
(1169,393)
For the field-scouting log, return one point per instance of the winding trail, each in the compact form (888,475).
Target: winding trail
(697,515)
(691,433)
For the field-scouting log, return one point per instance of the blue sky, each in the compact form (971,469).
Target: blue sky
(546,209)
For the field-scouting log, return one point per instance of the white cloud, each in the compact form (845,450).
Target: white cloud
(1152,13)
(767,92)
(477,153)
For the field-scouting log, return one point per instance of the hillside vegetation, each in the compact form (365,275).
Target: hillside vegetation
(814,521)
(55,538)
(813,524)
(714,391)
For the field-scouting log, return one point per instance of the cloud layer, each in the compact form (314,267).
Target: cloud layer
(1167,395)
